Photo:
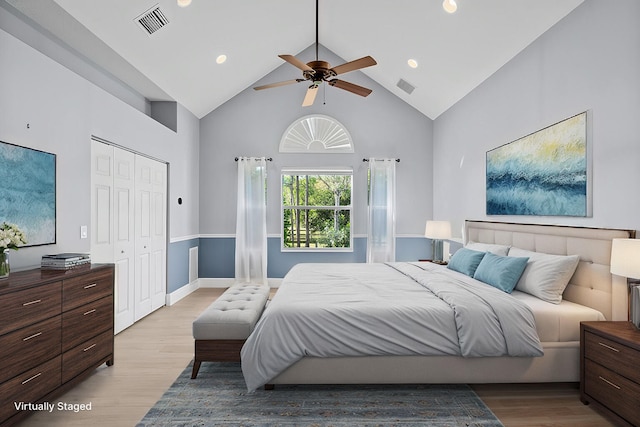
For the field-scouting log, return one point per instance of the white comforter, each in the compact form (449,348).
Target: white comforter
(331,310)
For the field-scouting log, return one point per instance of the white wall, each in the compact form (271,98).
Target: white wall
(588,61)
(45,106)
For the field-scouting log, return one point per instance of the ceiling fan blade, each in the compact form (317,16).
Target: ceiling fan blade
(296,62)
(357,64)
(310,96)
(353,88)
(288,82)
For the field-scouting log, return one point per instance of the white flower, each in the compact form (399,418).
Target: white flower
(11,237)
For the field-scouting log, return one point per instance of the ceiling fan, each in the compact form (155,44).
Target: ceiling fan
(319,71)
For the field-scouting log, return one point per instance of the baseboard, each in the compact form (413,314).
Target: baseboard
(208,282)
(215,282)
(222,282)
(182,292)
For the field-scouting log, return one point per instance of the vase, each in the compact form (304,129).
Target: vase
(4,264)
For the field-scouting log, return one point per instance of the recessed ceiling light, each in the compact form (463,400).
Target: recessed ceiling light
(221,59)
(184,3)
(450,6)
(412,63)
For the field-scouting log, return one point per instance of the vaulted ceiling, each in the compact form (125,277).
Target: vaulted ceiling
(455,52)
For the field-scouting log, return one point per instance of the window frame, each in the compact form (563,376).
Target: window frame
(310,171)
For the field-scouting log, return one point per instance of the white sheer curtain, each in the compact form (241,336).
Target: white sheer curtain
(381,235)
(251,221)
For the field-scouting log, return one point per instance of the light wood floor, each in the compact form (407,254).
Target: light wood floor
(152,353)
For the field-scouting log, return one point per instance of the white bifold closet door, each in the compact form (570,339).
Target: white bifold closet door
(129,221)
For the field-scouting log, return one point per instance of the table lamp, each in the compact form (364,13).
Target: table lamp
(625,261)
(437,231)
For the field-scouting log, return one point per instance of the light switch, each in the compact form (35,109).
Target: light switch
(83,232)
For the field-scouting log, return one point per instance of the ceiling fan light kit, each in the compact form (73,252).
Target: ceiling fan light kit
(450,6)
(319,71)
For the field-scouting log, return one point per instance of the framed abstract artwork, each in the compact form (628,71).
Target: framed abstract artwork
(28,192)
(546,173)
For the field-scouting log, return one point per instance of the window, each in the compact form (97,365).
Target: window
(316,209)
(316,134)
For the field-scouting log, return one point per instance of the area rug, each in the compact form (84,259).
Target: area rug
(218,397)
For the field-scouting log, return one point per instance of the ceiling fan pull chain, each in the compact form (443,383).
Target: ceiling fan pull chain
(324,94)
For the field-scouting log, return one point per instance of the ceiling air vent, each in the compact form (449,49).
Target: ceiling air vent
(152,20)
(405,86)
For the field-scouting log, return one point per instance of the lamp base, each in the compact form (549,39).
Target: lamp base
(634,303)
(437,251)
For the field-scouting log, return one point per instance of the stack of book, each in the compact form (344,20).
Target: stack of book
(65,261)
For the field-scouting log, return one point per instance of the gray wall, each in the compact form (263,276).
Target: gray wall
(588,61)
(62,111)
(252,123)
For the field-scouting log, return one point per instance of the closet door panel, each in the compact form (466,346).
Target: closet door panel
(124,237)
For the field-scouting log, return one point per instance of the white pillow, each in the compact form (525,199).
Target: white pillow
(500,250)
(546,276)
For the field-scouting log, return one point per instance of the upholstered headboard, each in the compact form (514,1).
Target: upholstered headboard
(592,284)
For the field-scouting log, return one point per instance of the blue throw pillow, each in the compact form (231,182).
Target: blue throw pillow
(502,272)
(465,261)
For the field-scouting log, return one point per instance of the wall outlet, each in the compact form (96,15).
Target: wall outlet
(83,232)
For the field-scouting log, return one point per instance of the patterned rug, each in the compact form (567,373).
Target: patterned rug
(218,397)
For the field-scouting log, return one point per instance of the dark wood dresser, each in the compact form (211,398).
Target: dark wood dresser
(610,369)
(56,327)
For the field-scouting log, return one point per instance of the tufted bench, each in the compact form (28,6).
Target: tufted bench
(222,328)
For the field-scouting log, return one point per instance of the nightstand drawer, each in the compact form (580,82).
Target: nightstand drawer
(614,391)
(612,355)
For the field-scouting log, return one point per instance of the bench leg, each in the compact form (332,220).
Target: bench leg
(196,368)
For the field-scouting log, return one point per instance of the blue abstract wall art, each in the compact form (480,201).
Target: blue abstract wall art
(28,192)
(545,173)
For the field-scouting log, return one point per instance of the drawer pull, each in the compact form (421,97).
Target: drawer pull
(93,285)
(90,311)
(609,347)
(32,336)
(31,302)
(90,347)
(609,382)
(32,378)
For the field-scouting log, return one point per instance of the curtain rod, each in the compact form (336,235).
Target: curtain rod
(366,160)
(269,159)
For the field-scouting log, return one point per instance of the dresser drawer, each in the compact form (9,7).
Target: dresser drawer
(612,355)
(22,308)
(28,347)
(89,287)
(82,323)
(614,391)
(29,387)
(87,355)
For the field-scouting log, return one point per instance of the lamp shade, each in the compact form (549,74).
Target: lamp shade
(625,258)
(438,230)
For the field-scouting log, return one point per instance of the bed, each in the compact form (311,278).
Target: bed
(282,351)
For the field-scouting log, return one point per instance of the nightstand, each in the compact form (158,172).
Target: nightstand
(610,369)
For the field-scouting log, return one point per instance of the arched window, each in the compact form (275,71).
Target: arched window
(316,133)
